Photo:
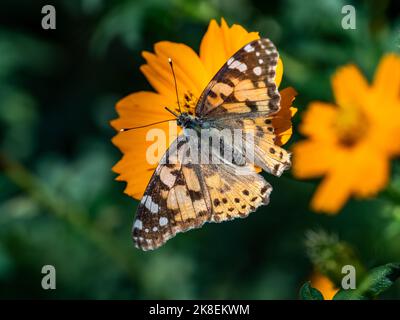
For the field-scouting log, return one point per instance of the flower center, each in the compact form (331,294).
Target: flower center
(351,126)
(189,103)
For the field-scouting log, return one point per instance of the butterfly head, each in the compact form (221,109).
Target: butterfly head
(187,121)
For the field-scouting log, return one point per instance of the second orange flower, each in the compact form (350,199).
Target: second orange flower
(351,142)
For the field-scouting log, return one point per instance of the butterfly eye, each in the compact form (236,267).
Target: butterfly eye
(205,124)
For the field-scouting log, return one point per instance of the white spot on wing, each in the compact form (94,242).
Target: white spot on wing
(154,208)
(143,199)
(163,221)
(242,67)
(150,204)
(260,61)
(138,224)
(249,48)
(257,71)
(234,64)
(166,177)
(230,61)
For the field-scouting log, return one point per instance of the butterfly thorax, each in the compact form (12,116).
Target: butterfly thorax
(186,121)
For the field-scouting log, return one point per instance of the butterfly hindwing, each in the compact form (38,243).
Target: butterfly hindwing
(266,154)
(232,195)
(245,84)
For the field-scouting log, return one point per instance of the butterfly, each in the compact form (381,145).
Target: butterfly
(184,193)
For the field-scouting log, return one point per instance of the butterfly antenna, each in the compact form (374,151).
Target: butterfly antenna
(144,126)
(170,111)
(176,85)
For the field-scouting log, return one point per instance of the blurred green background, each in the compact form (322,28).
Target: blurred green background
(59,203)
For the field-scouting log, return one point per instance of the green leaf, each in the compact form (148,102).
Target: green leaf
(348,294)
(307,292)
(377,281)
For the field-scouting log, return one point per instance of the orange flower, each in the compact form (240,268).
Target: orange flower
(193,73)
(324,285)
(351,143)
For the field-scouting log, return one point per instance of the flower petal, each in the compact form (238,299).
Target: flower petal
(220,43)
(137,180)
(387,77)
(324,285)
(318,121)
(312,159)
(135,167)
(282,120)
(279,73)
(332,193)
(349,87)
(189,70)
(361,172)
(370,171)
(212,49)
(138,109)
(235,38)
(141,108)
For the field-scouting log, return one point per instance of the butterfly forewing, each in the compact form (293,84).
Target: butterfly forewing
(243,95)
(245,84)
